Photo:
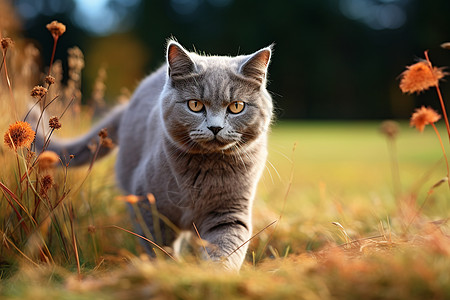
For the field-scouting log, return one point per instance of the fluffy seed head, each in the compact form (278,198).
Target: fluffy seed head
(48,159)
(91,229)
(446,45)
(423,116)
(389,128)
(46,184)
(49,79)
(19,134)
(54,123)
(419,77)
(38,92)
(107,143)
(56,28)
(103,133)
(6,42)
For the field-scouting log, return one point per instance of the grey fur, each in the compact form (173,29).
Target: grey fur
(166,149)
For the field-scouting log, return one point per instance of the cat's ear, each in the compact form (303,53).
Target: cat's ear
(178,59)
(255,65)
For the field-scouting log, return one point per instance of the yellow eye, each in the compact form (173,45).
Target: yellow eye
(195,105)
(236,107)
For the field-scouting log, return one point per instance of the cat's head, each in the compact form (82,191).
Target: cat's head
(215,103)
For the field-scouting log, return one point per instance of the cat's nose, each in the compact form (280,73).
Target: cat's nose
(215,129)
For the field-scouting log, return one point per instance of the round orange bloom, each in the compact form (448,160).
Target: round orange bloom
(130,198)
(419,77)
(19,134)
(48,159)
(424,116)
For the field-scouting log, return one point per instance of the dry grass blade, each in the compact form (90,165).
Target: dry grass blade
(255,235)
(18,250)
(6,191)
(291,178)
(74,239)
(347,238)
(144,238)
(201,240)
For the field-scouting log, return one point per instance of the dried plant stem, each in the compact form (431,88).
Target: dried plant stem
(7,192)
(74,239)
(394,166)
(255,235)
(144,238)
(8,82)
(4,236)
(430,192)
(201,240)
(156,220)
(442,147)
(55,41)
(441,100)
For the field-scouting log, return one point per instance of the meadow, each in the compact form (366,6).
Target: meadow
(343,211)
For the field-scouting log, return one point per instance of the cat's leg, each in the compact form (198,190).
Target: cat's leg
(227,241)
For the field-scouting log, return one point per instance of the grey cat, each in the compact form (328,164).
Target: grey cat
(194,135)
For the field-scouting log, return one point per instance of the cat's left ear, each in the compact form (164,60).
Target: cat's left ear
(255,66)
(178,59)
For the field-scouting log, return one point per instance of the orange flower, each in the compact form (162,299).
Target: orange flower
(19,134)
(48,159)
(419,77)
(151,198)
(424,116)
(130,198)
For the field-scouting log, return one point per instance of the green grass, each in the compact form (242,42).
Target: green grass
(340,172)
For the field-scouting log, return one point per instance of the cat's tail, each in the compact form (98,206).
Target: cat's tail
(83,148)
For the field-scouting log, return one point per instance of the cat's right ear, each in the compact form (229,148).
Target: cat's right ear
(178,60)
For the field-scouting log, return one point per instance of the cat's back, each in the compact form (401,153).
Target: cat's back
(139,125)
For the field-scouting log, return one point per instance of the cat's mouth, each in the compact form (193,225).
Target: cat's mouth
(213,144)
(216,144)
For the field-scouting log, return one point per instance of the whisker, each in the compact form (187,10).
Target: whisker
(275,169)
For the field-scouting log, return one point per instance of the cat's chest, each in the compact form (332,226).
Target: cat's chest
(211,172)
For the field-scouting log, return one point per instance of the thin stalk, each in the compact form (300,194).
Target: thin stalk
(74,239)
(255,235)
(441,100)
(156,219)
(55,41)
(18,250)
(394,166)
(442,147)
(201,240)
(144,238)
(8,81)
(430,192)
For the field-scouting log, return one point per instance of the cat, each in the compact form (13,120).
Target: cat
(194,134)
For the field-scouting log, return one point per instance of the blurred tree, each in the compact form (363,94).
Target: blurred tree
(333,59)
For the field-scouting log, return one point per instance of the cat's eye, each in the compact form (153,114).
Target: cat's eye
(195,105)
(236,107)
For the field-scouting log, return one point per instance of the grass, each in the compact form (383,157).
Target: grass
(343,225)
(302,259)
